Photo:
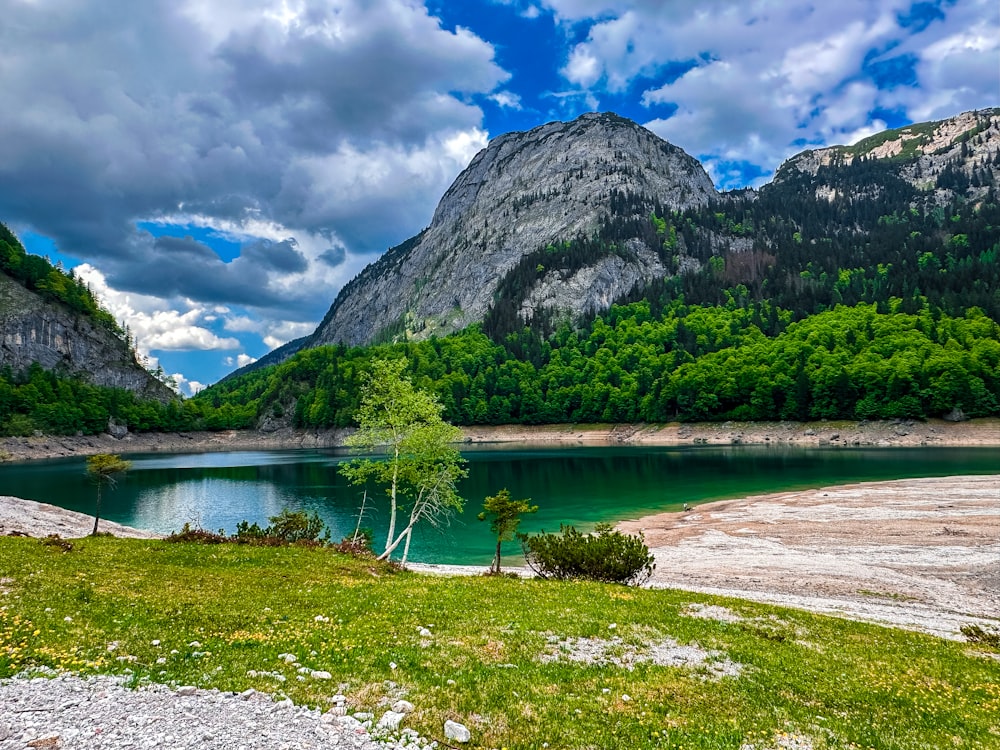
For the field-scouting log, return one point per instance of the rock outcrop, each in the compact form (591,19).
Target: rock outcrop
(967,144)
(523,191)
(36,330)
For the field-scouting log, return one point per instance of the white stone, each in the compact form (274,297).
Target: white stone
(626,697)
(402,707)
(425,633)
(187,690)
(389,722)
(319,674)
(455,731)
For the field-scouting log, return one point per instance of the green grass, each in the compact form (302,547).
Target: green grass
(840,684)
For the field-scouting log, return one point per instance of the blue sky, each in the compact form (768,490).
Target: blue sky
(217,170)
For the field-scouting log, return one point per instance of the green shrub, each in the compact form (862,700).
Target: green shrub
(288,527)
(606,555)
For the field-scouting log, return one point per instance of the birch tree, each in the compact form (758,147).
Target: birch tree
(416,462)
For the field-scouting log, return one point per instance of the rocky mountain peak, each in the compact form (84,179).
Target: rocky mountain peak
(966,144)
(524,191)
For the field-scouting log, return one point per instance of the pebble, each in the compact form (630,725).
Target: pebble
(100,713)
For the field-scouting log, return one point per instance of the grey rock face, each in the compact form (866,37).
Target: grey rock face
(524,191)
(35,330)
(595,287)
(923,150)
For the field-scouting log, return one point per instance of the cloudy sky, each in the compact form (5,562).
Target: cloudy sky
(218,169)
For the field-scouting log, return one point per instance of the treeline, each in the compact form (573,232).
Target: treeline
(687,362)
(39,275)
(44,401)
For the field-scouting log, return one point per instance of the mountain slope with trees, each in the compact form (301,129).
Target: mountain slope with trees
(863,282)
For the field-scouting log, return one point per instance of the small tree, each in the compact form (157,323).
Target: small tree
(103,470)
(421,466)
(506,516)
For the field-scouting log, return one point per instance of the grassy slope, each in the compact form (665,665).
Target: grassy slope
(841,684)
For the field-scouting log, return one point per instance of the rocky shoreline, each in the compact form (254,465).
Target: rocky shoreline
(935,432)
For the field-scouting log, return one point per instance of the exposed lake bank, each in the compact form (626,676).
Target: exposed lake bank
(976,432)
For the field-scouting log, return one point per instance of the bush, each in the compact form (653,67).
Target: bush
(360,546)
(298,526)
(288,527)
(606,555)
(977,634)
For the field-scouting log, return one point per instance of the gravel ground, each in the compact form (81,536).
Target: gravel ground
(921,554)
(27,518)
(98,713)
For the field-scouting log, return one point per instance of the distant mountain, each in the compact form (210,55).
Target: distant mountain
(525,191)
(48,317)
(863,282)
(564,220)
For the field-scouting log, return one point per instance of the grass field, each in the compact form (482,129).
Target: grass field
(493,654)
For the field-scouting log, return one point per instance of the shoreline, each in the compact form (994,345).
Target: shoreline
(984,432)
(917,554)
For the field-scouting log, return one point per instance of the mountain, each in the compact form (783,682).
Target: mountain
(522,193)
(50,318)
(863,282)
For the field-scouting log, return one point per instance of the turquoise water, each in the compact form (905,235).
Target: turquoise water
(578,486)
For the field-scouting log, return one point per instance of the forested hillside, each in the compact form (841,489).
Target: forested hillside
(686,362)
(851,287)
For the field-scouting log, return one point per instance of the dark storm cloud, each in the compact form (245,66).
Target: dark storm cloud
(334,256)
(120,111)
(184,267)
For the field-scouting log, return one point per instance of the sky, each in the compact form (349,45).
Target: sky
(216,170)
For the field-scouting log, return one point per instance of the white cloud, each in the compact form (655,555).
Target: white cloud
(240,360)
(507,100)
(185,386)
(333,123)
(155,323)
(754,81)
(278,334)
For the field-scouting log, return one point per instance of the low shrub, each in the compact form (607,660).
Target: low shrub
(359,545)
(606,555)
(200,536)
(288,527)
(978,634)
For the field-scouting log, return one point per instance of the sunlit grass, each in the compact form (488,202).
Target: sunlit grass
(208,615)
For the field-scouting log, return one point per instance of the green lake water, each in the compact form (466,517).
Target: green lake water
(578,486)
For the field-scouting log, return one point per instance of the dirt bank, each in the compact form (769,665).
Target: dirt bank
(977,432)
(922,554)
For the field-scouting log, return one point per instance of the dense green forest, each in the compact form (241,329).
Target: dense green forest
(42,400)
(687,363)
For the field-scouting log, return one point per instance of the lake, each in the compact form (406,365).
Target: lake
(578,486)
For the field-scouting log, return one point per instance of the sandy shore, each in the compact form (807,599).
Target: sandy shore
(977,432)
(922,554)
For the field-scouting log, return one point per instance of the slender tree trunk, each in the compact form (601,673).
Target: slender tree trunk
(361,516)
(97,512)
(392,501)
(406,547)
(496,560)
